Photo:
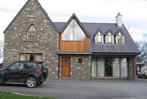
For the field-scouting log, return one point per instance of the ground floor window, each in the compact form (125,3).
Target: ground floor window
(31,57)
(109,67)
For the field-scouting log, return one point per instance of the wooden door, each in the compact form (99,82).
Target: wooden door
(65,63)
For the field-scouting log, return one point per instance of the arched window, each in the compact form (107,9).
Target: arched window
(31,33)
(119,38)
(99,38)
(109,38)
(73,32)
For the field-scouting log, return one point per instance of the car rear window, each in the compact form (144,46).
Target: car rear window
(32,65)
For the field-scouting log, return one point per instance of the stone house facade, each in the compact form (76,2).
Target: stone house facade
(70,49)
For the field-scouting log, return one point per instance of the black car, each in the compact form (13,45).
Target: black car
(32,74)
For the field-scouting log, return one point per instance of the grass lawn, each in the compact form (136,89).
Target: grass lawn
(8,95)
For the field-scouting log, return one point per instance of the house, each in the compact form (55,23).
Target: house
(72,49)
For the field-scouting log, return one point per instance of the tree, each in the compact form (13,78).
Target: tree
(142,46)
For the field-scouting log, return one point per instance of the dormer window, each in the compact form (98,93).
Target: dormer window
(31,33)
(109,38)
(73,32)
(119,38)
(99,38)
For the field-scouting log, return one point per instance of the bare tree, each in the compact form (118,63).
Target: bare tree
(142,46)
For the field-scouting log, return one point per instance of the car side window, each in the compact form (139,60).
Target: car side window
(32,65)
(16,66)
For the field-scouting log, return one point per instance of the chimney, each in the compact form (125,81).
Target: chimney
(119,20)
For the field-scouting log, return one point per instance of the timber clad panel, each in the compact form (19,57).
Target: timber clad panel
(74,46)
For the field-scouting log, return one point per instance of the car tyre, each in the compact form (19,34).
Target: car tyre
(31,82)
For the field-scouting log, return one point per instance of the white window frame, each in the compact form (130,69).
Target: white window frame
(99,38)
(117,38)
(109,38)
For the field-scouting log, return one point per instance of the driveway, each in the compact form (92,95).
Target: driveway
(80,89)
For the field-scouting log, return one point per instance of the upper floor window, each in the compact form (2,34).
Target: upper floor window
(73,32)
(109,38)
(99,38)
(119,38)
(31,33)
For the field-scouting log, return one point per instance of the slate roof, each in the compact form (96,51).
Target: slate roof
(128,48)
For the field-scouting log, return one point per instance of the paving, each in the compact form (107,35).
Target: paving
(85,89)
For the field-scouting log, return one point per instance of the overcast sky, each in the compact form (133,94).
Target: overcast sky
(104,11)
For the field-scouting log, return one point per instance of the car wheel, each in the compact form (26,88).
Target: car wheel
(31,82)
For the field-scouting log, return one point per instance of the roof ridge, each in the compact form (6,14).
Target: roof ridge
(88,23)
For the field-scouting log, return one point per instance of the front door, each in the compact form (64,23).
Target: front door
(65,66)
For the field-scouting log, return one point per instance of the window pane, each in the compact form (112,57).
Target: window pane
(14,66)
(34,35)
(32,65)
(100,63)
(29,35)
(116,67)
(78,32)
(109,39)
(96,39)
(94,67)
(73,32)
(99,38)
(124,72)
(67,34)
(39,58)
(22,57)
(120,39)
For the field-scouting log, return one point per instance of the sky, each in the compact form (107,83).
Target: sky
(100,11)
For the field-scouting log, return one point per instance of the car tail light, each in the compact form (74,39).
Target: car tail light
(38,71)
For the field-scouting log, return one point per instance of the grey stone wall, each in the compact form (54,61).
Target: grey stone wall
(80,70)
(47,37)
(131,68)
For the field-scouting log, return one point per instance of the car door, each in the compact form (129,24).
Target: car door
(14,72)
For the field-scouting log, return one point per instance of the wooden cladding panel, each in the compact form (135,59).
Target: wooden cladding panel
(74,46)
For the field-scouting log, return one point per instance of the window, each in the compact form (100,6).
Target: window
(73,32)
(120,38)
(32,65)
(16,66)
(31,57)
(98,67)
(31,33)
(98,38)
(80,61)
(116,67)
(124,70)
(109,38)
(109,67)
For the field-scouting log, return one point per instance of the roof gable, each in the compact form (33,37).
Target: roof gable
(25,6)
(119,31)
(109,31)
(78,22)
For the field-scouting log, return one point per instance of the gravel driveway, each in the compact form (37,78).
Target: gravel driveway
(80,89)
